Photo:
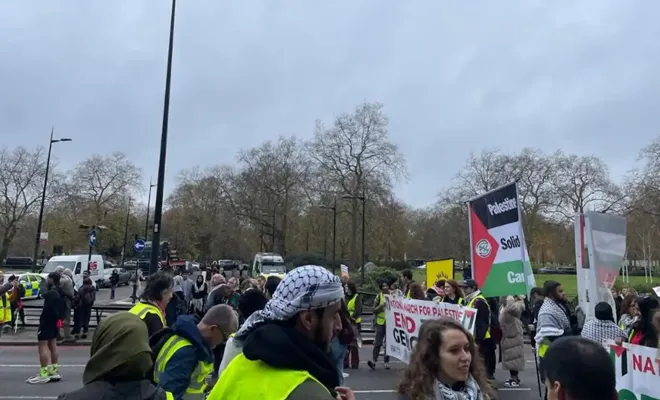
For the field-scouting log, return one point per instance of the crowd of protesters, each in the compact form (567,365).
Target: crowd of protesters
(184,330)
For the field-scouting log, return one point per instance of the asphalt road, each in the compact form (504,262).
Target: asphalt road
(19,363)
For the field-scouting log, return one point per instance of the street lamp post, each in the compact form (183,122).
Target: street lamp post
(146,224)
(364,202)
(128,216)
(43,194)
(334,230)
(158,207)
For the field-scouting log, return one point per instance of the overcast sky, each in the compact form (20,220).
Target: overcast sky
(454,77)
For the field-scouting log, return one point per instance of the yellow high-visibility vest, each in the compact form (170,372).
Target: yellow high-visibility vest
(543,347)
(351,308)
(380,317)
(471,304)
(197,385)
(5,309)
(143,309)
(246,379)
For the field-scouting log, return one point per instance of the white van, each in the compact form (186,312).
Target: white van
(268,264)
(78,264)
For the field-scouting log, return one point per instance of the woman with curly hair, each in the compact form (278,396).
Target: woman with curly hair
(444,365)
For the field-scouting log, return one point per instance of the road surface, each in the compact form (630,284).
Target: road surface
(19,363)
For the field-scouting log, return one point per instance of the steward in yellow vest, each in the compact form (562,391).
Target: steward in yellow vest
(482,325)
(184,353)
(379,327)
(285,346)
(157,293)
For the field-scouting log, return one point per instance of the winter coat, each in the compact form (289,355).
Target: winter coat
(512,344)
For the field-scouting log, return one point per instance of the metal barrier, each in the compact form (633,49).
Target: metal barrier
(100,311)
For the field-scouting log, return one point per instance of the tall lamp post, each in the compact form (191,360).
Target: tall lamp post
(334,230)
(146,223)
(128,216)
(158,207)
(43,193)
(364,202)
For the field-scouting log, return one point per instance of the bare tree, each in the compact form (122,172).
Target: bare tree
(101,184)
(21,182)
(354,150)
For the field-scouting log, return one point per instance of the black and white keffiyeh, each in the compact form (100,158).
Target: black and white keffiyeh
(601,331)
(470,391)
(552,320)
(309,287)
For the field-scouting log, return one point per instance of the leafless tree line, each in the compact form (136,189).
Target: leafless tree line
(279,197)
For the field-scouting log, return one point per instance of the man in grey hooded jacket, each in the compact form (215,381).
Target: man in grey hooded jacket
(66,284)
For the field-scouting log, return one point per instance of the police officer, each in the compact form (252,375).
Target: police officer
(156,295)
(185,351)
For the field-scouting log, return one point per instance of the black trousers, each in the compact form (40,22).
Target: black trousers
(487,349)
(81,316)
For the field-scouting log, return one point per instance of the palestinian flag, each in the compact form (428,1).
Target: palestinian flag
(500,263)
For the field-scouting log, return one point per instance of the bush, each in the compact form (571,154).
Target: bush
(398,265)
(641,288)
(378,275)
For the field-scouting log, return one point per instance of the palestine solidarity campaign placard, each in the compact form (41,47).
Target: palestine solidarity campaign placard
(500,262)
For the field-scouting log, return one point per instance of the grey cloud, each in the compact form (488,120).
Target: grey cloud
(453,77)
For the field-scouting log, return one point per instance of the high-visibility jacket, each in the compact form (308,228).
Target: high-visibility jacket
(246,379)
(459,302)
(197,385)
(351,308)
(543,347)
(143,309)
(471,305)
(380,317)
(5,309)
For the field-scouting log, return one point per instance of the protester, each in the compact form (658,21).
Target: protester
(119,363)
(453,293)
(436,291)
(482,325)
(354,305)
(554,319)
(185,351)
(187,287)
(177,305)
(643,332)
(151,309)
(50,321)
(5,301)
(629,312)
(271,285)
(512,346)
(222,294)
(380,327)
(602,328)
(285,347)
(576,368)
(444,365)
(618,302)
(248,284)
(340,343)
(82,308)
(67,288)
(406,280)
(114,282)
(199,294)
(415,291)
(16,303)
(215,282)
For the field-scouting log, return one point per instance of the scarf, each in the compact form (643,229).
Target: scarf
(269,342)
(468,391)
(309,287)
(120,350)
(601,331)
(552,320)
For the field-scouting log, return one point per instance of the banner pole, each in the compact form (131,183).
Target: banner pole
(469,213)
(538,377)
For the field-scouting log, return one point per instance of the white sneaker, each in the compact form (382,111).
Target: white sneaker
(38,379)
(345,375)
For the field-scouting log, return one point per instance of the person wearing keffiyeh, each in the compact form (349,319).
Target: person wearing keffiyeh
(283,351)
(602,328)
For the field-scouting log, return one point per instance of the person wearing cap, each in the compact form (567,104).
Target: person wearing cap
(50,322)
(285,348)
(482,329)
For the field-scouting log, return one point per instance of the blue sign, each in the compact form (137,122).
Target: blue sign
(139,246)
(92,239)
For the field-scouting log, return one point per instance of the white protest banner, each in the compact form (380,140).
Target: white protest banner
(403,317)
(637,371)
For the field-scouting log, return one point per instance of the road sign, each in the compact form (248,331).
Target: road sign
(139,246)
(92,239)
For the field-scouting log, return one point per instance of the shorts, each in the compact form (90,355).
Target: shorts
(47,332)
